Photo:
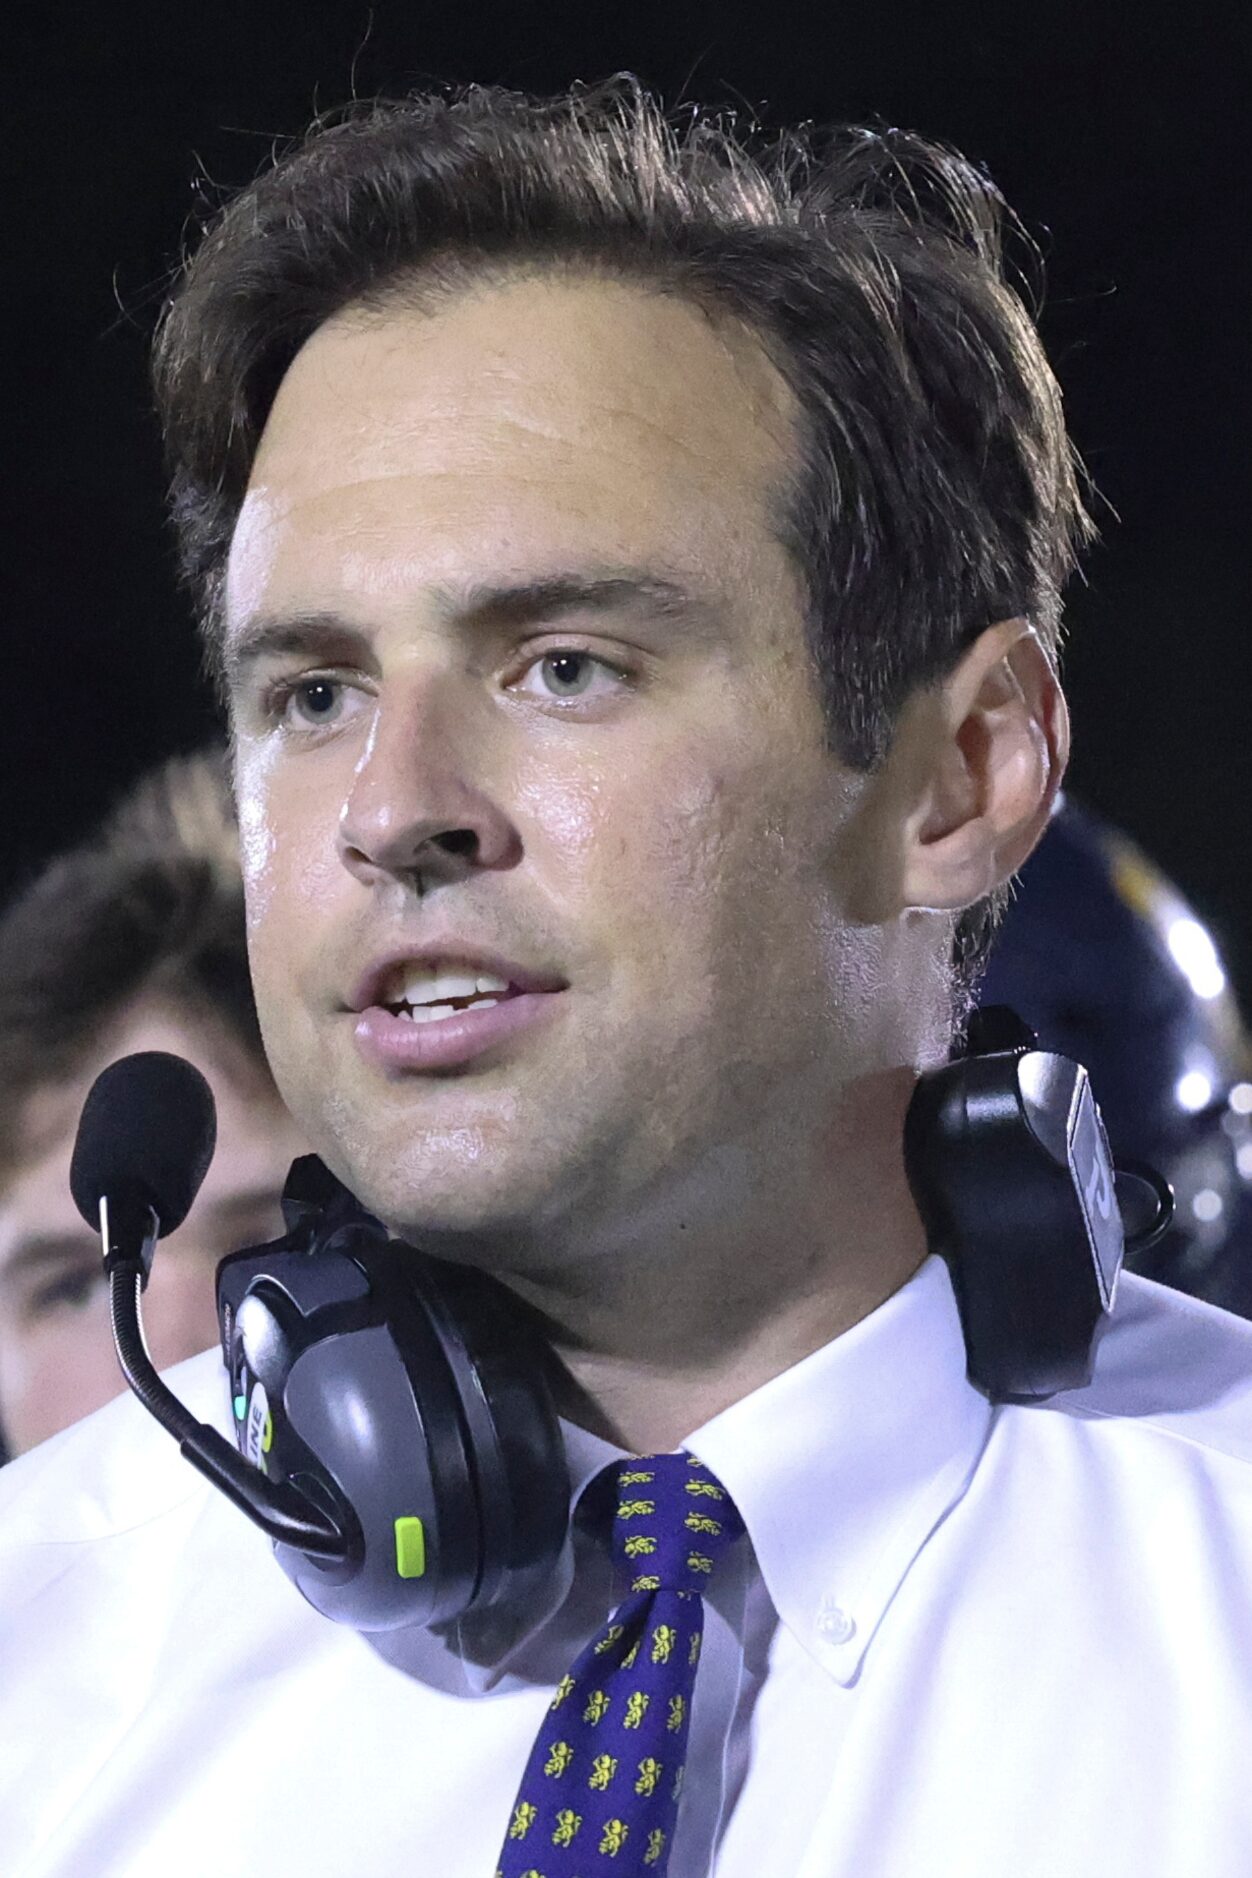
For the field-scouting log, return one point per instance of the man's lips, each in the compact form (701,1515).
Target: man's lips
(375,985)
(397,1044)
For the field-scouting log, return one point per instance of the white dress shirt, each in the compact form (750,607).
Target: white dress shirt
(962,1641)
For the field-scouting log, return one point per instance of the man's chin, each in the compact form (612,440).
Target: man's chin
(456,1166)
(469,1214)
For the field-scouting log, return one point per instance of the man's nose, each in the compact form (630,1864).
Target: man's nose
(420,802)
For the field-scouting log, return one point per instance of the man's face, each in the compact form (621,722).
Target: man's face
(520,694)
(56,1350)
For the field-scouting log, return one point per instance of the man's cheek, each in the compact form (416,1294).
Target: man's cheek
(266,828)
(572,813)
(693,857)
(257,851)
(292,871)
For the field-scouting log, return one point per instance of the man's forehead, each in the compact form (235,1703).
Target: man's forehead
(548,372)
(47,1124)
(540,425)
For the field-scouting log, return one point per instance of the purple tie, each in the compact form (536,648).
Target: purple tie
(601,1787)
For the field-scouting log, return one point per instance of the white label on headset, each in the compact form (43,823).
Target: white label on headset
(259,1430)
(1092,1167)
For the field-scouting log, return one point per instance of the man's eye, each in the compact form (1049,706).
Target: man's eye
(568,674)
(70,1291)
(307,703)
(317,700)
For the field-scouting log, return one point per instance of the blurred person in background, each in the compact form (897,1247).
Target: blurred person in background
(132,941)
(1108,964)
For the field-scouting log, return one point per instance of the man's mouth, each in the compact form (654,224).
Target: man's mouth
(428,994)
(440,1009)
(426,982)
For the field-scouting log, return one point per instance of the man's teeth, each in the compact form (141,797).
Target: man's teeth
(429,993)
(431,1013)
(439,987)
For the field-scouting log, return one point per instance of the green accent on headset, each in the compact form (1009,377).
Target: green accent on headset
(410,1547)
(241,1407)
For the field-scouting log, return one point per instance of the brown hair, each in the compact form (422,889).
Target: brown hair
(151,905)
(935,490)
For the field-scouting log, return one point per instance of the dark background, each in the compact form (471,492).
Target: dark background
(1118,137)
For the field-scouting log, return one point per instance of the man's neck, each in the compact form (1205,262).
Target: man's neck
(658,1337)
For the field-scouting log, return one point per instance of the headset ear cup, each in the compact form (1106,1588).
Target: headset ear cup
(430,1362)
(516,1452)
(347,1391)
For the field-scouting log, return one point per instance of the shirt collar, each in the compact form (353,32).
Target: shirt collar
(844,1465)
(841,1468)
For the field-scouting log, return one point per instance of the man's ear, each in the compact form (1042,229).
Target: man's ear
(984,753)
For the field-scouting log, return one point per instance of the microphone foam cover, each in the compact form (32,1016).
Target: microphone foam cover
(148,1124)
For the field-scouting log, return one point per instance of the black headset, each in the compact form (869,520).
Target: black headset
(396,1434)
(409,1398)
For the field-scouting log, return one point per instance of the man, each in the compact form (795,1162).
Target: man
(633,566)
(133,941)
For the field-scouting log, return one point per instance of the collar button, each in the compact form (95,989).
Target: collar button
(834,1624)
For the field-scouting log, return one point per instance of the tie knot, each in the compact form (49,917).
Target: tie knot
(673,1523)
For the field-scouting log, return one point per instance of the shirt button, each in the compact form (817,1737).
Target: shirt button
(834,1624)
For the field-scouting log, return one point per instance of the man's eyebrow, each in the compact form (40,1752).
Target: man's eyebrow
(556,595)
(43,1251)
(327,634)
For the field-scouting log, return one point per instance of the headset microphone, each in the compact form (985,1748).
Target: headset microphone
(396,1436)
(144,1145)
(396,1432)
